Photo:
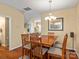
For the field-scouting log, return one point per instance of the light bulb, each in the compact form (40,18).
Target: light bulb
(52,17)
(46,18)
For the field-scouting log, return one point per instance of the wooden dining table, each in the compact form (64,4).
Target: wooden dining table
(47,41)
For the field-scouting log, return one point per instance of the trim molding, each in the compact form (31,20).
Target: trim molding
(75,51)
(10,49)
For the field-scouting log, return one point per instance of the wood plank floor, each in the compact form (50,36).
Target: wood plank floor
(6,54)
(14,54)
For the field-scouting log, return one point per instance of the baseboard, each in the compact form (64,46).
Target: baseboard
(10,49)
(75,51)
(77,54)
(71,49)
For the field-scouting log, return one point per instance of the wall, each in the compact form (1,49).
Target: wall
(77,23)
(69,16)
(2,33)
(17,24)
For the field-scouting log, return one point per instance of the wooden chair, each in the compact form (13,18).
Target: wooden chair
(58,52)
(34,34)
(36,47)
(64,47)
(58,44)
(52,35)
(26,45)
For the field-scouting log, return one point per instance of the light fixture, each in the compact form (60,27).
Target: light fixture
(50,16)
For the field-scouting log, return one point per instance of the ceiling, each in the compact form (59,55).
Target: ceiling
(39,6)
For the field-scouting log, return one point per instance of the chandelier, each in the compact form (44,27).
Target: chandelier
(50,16)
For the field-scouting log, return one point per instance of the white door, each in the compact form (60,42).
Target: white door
(7,31)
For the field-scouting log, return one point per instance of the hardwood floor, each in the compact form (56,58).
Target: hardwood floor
(6,54)
(15,54)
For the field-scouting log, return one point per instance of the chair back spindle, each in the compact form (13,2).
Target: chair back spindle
(64,47)
(36,46)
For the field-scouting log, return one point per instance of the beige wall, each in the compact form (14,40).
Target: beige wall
(17,24)
(69,16)
(2,34)
(77,40)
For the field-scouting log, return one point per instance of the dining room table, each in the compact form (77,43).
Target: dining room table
(46,41)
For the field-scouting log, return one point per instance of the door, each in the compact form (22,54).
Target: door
(7,31)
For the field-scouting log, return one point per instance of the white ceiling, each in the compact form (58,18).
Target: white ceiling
(39,6)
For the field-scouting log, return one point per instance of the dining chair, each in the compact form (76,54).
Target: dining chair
(64,47)
(52,35)
(34,34)
(58,52)
(26,45)
(58,44)
(36,47)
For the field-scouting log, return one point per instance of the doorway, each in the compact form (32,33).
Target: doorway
(5,31)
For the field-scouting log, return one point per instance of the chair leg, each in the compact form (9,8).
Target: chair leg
(22,53)
(30,55)
(48,56)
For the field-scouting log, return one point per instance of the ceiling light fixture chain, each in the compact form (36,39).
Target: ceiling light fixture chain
(50,5)
(50,16)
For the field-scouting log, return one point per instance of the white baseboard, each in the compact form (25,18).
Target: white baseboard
(75,51)
(10,49)
(77,54)
(71,49)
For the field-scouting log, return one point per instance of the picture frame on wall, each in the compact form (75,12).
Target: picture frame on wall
(56,25)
